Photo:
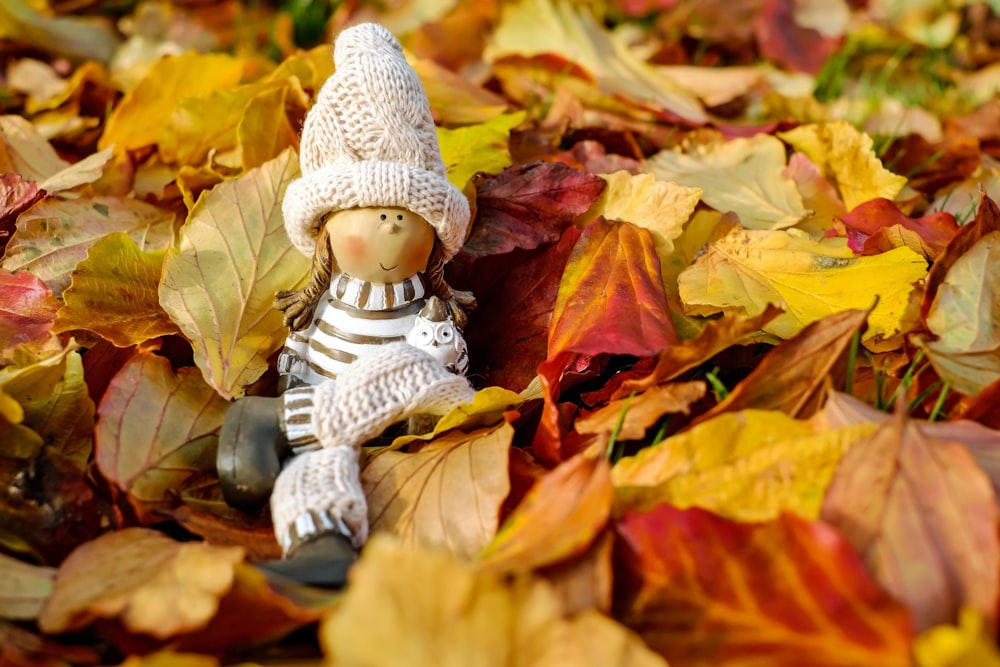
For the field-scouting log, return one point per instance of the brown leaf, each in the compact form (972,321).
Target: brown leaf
(156,428)
(446,495)
(793,376)
(705,591)
(713,339)
(529,205)
(151,583)
(21,648)
(923,516)
(585,582)
(638,413)
(987,220)
(559,517)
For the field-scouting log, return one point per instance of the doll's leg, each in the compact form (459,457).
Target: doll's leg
(320,516)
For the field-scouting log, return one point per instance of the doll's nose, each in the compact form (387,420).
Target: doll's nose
(390,227)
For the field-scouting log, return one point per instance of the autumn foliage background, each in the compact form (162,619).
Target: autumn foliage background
(737,343)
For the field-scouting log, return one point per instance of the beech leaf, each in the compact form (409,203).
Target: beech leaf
(611,298)
(923,516)
(141,118)
(751,465)
(559,517)
(483,148)
(55,234)
(155,429)
(868,219)
(424,608)
(748,269)
(790,589)
(845,154)
(446,495)
(114,293)
(27,312)
(218,286)
(742,175)
(965,320)
(529,205)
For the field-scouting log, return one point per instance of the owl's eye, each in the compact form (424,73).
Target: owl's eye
(446,334)
(425,336)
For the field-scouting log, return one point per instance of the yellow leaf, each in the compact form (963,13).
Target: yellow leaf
(486,409)
(139,120)
(425,609)
(750,465)
(30,153)
(311,67)
(846,156)
(114,294)
(659,206)
(74,37)
(264,130)
(469,150)
(446,495)
(966,645)
(23,588)
(742,175)
(536,27)
(219,285)
(454,100)
(746,270)
(170,659)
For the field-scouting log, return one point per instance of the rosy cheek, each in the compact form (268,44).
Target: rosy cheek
(357,248)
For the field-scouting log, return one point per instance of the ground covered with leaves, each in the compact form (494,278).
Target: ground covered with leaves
(737,342)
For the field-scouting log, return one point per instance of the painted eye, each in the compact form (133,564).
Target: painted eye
(425,336)
(399,217)
(382,217)
(446,334)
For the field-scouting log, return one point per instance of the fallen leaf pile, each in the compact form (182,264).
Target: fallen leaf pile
(737,344)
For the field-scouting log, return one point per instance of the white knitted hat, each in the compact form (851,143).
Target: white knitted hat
(370,141)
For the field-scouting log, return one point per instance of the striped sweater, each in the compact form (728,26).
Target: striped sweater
(351,318)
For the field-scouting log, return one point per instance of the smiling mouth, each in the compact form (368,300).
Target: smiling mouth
(387,268)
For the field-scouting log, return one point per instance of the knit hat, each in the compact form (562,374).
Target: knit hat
(370,141)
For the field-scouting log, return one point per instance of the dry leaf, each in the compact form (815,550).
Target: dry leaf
(743,175)
(156,429)
(748,269)
(219,284)
(969,644)
(24,588)
(114,293)
(474,149)
(847,157)
(638,413)
(447,495)
(705,591)
(27,312)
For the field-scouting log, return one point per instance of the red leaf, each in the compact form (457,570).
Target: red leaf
(27,311)
(782,40)
(529,205)
(508,332)
(868,219)
(703,590)
(16,195)
(611,298)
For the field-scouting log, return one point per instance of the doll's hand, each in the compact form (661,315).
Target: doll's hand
(297,307)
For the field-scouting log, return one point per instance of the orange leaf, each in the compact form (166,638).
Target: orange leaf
(792,377)
(558,518)
(154,429)
(611,298)
(642,411)
(923,515)
(705,591)
(875,216)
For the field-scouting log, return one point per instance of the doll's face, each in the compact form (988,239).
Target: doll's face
(380,245)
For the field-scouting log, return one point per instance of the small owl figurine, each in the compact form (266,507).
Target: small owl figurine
(434,332)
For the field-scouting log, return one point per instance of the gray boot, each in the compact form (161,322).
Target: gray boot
(252,448)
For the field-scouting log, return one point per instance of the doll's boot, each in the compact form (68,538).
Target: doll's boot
(252,448)
(320,557)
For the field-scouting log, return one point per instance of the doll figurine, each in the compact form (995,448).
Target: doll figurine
(378,216)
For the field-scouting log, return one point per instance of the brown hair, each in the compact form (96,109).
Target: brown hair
(299,305)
